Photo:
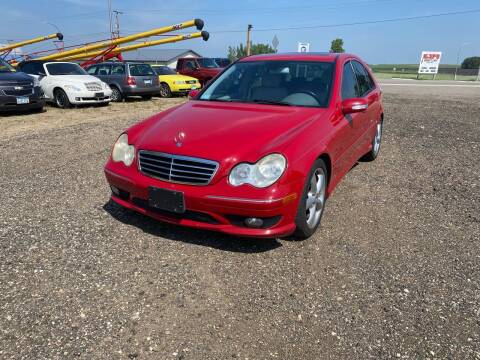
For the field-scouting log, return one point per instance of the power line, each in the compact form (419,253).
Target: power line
(334,5)
(409,18)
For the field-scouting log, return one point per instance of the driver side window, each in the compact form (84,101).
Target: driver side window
(349,83)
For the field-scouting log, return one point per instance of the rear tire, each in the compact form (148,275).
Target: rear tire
(312,202)
(61,99)
(165,91)
(376,142)
(116,94)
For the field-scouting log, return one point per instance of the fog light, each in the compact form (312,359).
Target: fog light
(254,222)
(77,99)
(115,190)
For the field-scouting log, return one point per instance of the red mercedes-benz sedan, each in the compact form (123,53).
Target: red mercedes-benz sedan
(258,151)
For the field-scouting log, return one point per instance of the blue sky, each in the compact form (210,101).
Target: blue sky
(391,42)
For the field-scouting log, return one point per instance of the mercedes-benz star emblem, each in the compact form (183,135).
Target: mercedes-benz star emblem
(179,139)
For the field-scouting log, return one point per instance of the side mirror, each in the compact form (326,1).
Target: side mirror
(354,105)
(192,94)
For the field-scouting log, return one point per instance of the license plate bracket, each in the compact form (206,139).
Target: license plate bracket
(22,100)
(167,200)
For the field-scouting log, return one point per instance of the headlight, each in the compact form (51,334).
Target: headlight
(36,82)
(72,88)
(105,86)
(122,151)
(261,174)
(179,82)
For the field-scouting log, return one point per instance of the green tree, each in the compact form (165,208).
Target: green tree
(337,46)
(471,63)
(240,51)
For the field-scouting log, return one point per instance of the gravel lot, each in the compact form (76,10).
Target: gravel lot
(393,273)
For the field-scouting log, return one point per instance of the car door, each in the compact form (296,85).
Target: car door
(371,93)
(118,77)
(46,82)
(347,126)
(103,72)
(189,68)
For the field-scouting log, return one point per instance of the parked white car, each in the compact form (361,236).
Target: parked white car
(66,83)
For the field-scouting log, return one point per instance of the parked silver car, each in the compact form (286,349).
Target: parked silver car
(127,79)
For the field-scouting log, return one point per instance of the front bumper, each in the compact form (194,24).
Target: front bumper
(9,102)
(184,88)
(219,206)
(89,97)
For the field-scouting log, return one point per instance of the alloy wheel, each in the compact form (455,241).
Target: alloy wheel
(316,197)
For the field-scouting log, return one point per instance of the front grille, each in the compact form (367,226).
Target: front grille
(13,92)
(16,83)
(175,168)
(93,86)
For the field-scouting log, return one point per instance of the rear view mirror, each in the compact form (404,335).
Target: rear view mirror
(192,94)
(354,105)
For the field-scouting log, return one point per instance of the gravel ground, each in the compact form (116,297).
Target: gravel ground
(392,273)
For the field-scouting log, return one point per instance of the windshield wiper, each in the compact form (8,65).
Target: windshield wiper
(222,100)
(271,102)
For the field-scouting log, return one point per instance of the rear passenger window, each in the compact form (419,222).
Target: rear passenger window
(104,69)
(349,83)
(118,69)
(365,82)
(92,70)
(141,70)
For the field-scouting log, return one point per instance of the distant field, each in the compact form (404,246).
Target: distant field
(409,71)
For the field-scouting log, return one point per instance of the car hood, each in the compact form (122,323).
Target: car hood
(176,77)
(75,79)
(13,77)
(225,132)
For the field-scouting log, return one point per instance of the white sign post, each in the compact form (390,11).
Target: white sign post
(429,62)
(303,47)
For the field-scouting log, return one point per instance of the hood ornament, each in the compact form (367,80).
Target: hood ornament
(179,138)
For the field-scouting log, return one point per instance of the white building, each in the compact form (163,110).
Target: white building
(166,57)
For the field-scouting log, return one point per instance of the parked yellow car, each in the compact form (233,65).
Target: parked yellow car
(173,83)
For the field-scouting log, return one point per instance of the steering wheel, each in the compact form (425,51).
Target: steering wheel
(309,93)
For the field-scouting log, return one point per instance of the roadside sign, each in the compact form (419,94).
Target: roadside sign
(303,47)
(429,62)
(275,42)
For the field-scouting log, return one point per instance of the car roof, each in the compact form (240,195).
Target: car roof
(312,56)
(119,62)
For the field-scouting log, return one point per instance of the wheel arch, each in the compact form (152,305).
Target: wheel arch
(328,163)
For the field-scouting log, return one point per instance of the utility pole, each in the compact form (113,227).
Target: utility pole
(116,32)
(110,29)
(249,29)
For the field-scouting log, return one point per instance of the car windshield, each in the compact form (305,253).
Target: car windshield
(287,83)
(6,67)
(141,70)
(164,70)
(207,63)
(65,69)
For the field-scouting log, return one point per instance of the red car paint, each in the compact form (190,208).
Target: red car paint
(230,133)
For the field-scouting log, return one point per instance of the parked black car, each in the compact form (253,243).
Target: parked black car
(127,79)
(19,91)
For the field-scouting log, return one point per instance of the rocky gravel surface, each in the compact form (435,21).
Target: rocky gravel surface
(394,272)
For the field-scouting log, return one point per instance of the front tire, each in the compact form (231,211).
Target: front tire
(165,91)
(312,201)
(376,142)
(61,99)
